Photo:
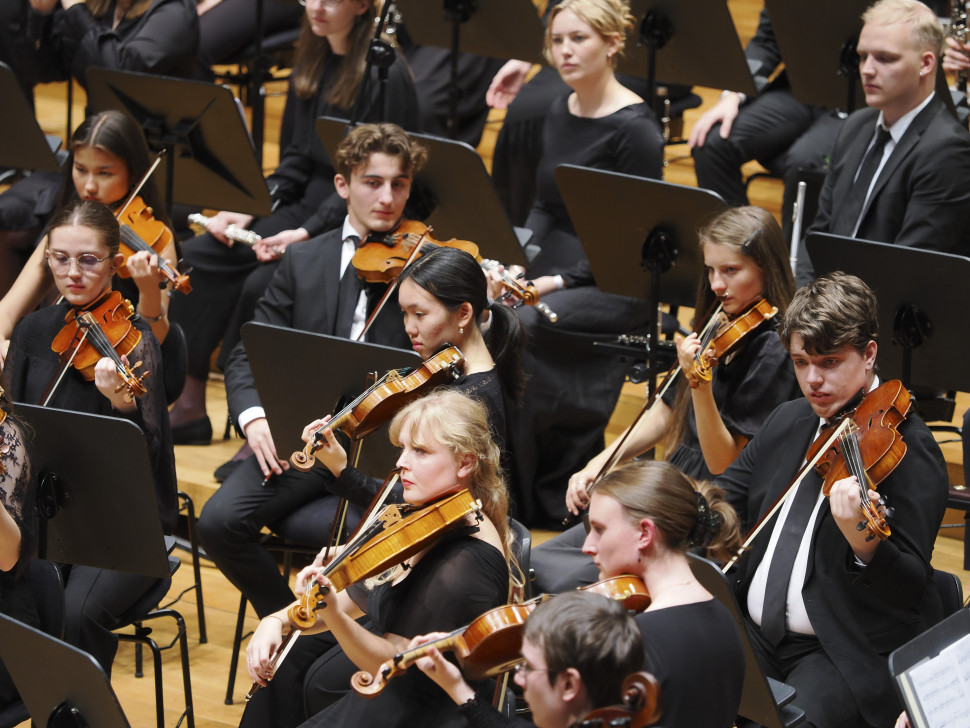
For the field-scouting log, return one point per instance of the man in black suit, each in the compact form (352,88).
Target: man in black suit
(314,289)
(826,605)
(913,191)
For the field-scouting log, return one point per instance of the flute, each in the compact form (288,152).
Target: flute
(233,231)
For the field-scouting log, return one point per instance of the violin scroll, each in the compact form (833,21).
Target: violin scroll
(641,705)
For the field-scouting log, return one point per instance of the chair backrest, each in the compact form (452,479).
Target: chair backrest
(47,586)
(758,694)
(523,553)
(951,591)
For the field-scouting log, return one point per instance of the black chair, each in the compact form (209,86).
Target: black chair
(143,611)
(763,700)
(187,507)
(950,589)
(45,582)
(523,552)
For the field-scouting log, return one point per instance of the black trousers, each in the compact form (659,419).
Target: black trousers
(780,133)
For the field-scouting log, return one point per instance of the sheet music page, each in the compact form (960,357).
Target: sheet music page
(942,687)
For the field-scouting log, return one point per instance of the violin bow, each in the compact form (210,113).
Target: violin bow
(799,476)
(141,183)
(393,286)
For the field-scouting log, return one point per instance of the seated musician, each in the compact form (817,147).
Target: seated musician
(643,518)
(827,604)
(899,168)
(443,297)
(446,447)
(577,649)
(82,252)
(702,428)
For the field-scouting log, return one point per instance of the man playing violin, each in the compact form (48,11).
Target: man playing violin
(577,650)
(826,605)
(315,289)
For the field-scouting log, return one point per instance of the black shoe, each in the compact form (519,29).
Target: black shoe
(196,432)
(225,470)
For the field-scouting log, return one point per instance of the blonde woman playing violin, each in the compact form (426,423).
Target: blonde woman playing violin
(446,446)
(702,427)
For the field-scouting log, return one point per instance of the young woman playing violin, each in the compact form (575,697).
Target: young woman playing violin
(446,446)
(82,253)
(704,427)
(327,75)
(643,517)
(108,157)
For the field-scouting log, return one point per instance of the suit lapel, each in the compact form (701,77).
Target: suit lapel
(330,260)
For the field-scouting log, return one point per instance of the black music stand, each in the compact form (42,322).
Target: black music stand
(317,373)
(635,230)
(818,43)
(460,193)
(931,673)
(62,686)
(22,143)
(80,461)
(922,330)
(209,159)
(690,43)
(511,29)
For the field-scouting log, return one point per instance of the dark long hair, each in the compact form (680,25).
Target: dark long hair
(453,277)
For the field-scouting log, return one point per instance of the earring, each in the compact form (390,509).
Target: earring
(922,73)
(461,329)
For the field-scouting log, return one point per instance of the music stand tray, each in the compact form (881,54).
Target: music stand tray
(99,471)
(616,223)
(317,372)
(22,143)
(920,323)
(50,673)
(466,205)
(210,158)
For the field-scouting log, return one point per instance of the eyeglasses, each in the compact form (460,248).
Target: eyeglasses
(328,4)
(525,668)
(86,262)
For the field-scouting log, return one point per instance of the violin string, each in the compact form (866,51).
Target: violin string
(102,344)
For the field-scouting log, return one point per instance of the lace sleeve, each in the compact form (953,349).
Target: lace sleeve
(14,470)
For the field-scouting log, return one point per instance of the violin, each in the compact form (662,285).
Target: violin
(870,448)
(722,338)
(141,231)
(380,402)
(102,329)
(382,257)
(641,705)
(397,534)
(523,293)
(492,643)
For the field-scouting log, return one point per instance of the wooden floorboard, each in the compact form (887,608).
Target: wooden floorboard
(210,662)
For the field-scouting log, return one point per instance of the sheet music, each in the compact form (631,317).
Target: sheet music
(937,689)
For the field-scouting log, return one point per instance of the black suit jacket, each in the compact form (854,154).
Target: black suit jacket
(859,615)
(303,295)
(921,197)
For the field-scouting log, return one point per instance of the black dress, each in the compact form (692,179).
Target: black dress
(747,387)
(455,582)
(16,599)
(95,597)
(695,651)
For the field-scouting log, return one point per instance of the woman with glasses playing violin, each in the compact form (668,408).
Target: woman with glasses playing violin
(446,446)
(82,254)
(702,424)
(108,157)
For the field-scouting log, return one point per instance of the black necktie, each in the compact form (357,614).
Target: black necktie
(348,297)
(856,199)
(779,571)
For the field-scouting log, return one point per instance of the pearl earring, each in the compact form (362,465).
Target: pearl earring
(461,329)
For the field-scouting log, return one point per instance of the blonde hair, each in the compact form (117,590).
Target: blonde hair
(606,17)
(688,513)
(925,28)
(460,423)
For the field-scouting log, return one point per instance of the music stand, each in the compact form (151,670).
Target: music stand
(671,32)
(22,143)
(930,673)
(80,461)
(818,44)
(53,678)
(465,204)
(209,161)
(499,30)
(317,373)
(922,333)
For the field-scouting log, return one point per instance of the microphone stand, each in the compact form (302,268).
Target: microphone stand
(381,55)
